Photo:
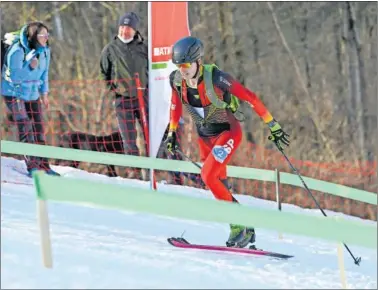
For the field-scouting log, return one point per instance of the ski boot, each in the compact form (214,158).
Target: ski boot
(30,171)
(46,167)
(240,236)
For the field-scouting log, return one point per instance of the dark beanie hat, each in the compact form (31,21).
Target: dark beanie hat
(129,19)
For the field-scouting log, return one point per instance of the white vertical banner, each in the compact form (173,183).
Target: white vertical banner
(167,23)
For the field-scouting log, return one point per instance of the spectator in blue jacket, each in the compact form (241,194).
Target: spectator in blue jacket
(25,86)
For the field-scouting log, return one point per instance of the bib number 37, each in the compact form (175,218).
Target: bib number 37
(221,152)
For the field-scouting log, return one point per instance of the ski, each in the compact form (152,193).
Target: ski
(182,243)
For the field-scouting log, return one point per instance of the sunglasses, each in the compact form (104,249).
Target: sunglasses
(43,35)
(184,65)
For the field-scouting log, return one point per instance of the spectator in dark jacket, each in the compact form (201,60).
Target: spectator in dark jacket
(124,56)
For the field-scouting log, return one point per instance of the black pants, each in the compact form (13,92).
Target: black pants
(29,119)
(128,112)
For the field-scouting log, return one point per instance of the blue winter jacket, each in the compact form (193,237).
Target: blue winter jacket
(18,78)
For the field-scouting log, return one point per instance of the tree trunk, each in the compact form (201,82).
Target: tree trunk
(357,79)
(58,23)
(308,104)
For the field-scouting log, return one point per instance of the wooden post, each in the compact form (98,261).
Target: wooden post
(340,258)
(340,255)
(44,229)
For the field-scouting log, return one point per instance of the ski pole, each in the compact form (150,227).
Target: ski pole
(188,175)
(188,158)
(356,260)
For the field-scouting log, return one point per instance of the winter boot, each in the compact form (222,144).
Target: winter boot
(46,167)
(52,172)
(31,170)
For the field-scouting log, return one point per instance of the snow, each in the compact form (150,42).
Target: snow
(100,248)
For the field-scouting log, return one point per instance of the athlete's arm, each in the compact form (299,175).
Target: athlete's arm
(176,106)
(226,82)
(176,111)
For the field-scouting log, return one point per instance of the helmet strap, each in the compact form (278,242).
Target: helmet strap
(196,75)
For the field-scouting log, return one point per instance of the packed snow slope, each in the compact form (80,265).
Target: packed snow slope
(100,248)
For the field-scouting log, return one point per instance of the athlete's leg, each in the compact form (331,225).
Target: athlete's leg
(204,148)
(214,167)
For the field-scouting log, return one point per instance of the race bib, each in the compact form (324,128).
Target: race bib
(221,152)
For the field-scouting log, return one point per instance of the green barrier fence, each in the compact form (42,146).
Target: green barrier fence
(168,204)
(183,166)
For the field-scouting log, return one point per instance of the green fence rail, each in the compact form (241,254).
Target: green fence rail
(128,198)
(183,166)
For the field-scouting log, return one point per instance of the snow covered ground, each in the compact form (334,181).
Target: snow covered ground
(99,248)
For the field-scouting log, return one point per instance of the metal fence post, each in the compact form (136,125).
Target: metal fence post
(277,172)
(278,188)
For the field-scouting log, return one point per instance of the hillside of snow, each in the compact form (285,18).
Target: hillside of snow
(100,248)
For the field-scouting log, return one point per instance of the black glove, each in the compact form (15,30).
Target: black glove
(171,142)
(278,136)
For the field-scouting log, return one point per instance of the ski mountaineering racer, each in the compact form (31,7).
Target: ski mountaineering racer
(211,98)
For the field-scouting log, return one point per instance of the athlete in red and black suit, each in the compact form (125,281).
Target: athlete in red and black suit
(218,128)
